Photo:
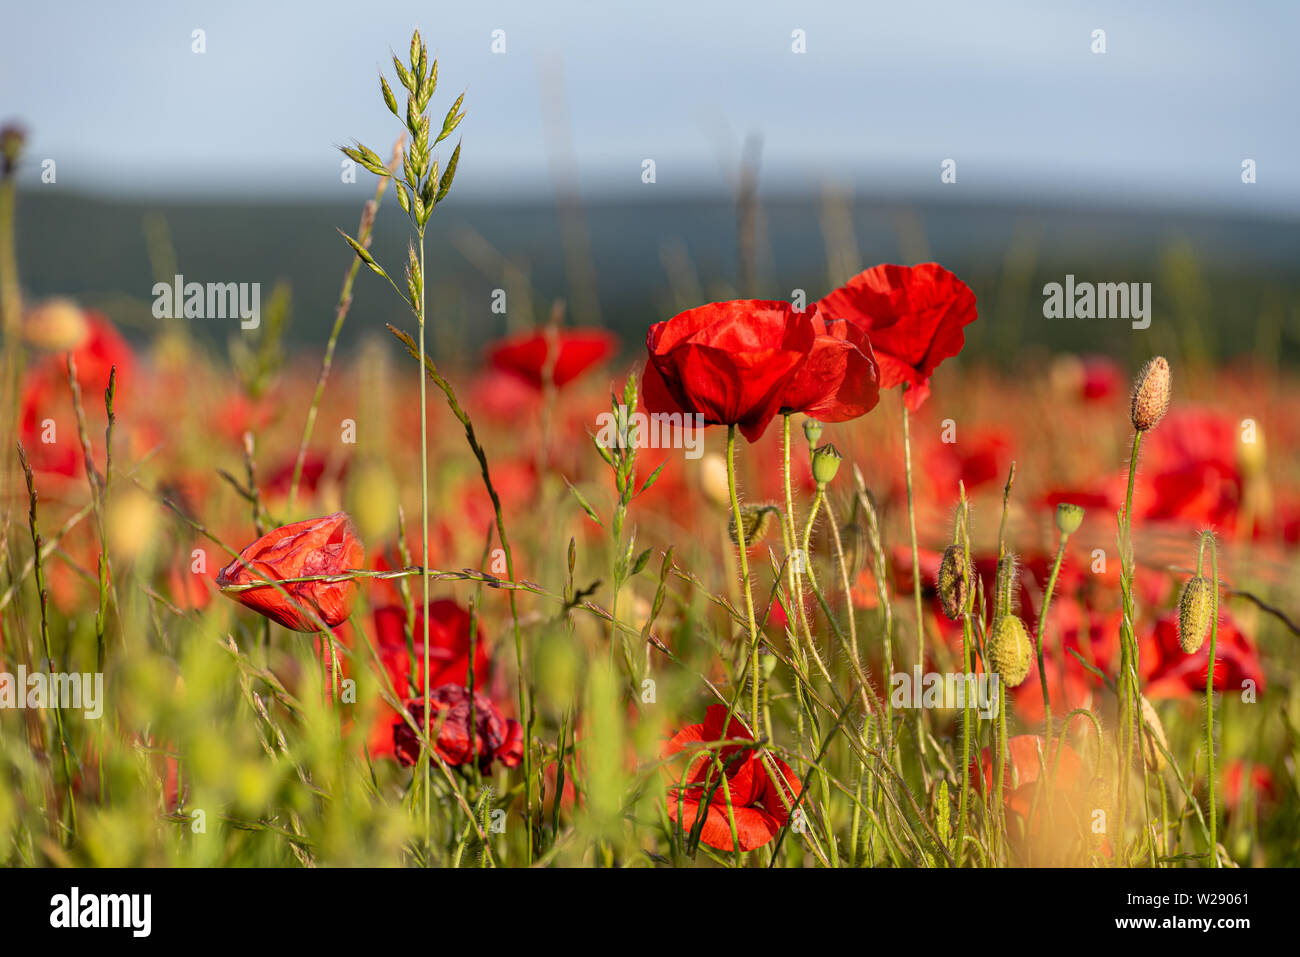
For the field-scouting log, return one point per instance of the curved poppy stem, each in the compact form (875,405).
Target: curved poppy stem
(754,677)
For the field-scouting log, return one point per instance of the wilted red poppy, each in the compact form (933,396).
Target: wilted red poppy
(318,546)
(496,737)
(761,804)
(532,356)
(728,361)
(839,380)
(914,316)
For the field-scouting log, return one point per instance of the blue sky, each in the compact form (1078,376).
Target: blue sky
(884,93)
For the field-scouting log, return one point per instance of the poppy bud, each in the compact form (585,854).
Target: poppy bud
(320,546)
(954,579)
(1009,650)
(758,521)
(1068,518)
(825,463)
(1151,394)
(812,431)
(1194,610)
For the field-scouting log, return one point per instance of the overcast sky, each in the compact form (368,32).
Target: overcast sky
(885,92)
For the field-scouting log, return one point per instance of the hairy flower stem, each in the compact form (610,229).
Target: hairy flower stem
(967,638)
(1208,537)
(755,676)
(916,570)
(1129,708)
(1042,623)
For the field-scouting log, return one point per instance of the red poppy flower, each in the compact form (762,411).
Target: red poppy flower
(530,356)
(1169,672)
(318,546)
(496,737)
(448,646)
(760,803)
(914,316)
(728,361)
(839,380)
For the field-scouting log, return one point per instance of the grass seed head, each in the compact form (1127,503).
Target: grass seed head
(955,575)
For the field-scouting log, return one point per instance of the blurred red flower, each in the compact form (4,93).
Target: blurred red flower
(759,802)
(318,546)
(1168,672)
(839,380)
(448,646)
(552,355)
(495,738)
(914,316)
(47,397)
(1022,772)
(728,361)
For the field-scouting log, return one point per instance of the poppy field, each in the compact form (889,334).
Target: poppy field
(771,583)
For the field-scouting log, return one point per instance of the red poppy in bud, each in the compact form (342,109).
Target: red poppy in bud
(552,355)
(760,803)
(318,546)
(496,737)
(839,380)
(914,316)
(731,362)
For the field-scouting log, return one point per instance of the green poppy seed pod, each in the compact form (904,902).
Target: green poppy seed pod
(758,521)
(1194,611)
(954,579)
(1151,394)
(1068,518)
(825,463)
(1010,650)
(812,431)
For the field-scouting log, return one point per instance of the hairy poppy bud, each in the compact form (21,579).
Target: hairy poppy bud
(955,575)
(1068,518)
(317,547)
(1151,394)
(825,463)
(1009,650)
(812,431)
(758,521)
(1194,611)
